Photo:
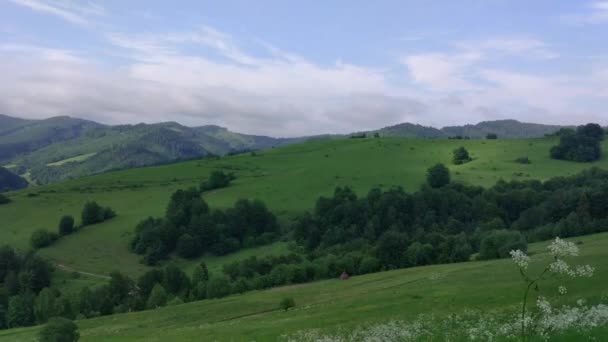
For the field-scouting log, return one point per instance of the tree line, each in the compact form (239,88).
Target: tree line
(580,145)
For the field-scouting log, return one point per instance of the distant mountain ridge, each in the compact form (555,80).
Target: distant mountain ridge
(63,147)
(504,129)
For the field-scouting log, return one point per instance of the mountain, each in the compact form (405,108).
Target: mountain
(505,129)
(63,147)
(10,181)
(509,129)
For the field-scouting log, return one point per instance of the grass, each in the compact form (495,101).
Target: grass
(288,179)
(490,286)
(79,158)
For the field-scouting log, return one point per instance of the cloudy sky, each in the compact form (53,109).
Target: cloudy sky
(288,68)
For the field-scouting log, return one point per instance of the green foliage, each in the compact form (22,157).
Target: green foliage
(45,306)
(523,160)
(438,176)
(460,156)
(158,297)
(217,180)
(42,238)
(498,243)
(187,246)
(59,329)
(66,225)
(287,303)
(218,286)
(4,199)
(491,136)
(93,213)
(20,311)
(582,145)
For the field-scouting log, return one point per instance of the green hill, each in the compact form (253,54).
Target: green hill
(491,288)
(287,179)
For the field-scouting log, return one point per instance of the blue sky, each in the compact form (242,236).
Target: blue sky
(289,68)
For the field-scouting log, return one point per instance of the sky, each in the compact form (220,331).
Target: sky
(292,68)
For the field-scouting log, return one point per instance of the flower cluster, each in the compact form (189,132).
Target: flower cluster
(520,258)
(561,248)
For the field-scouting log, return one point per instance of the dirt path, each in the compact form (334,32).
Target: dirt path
(69,269)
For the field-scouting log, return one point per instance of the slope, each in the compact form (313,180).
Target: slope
(492,287)
(10,181)
(288,179)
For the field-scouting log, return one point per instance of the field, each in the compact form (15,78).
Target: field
(288,179)
(491,286)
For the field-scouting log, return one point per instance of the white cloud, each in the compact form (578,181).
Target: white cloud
(71,11)
(596,13)
(441,72)
(527,47)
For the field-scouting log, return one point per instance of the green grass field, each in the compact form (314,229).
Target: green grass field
(491,286)
(288,179)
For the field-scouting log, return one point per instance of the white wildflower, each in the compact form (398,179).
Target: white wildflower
(562,290)
(543,305)
(520,258)
(559,266)
(561,248)
(585,271)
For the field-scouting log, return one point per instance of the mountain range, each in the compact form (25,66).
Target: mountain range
(59,148)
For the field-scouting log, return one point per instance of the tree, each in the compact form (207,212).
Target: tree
(582,145)
(218,286)
(175,281)
(45,305)
(66,225)
(491,136)
(86,302)
(59,329)
(460,156)
(200,273)
(438,176)
(42,238)
(92,213)
(20,311)
(187,246)
(391,246)
(499,243)
(287,303)
(158,297)
(217,180)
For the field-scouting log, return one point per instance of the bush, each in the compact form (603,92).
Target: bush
(42,238)
(4,199)
(158,297)
(287,303)
(217,180)
(461,156)
(491,136)
(218,286)
(498,243)
(438,176)
(187,246)
(582,145)
(93,213)
(523,160)
(66,225)
(59,329)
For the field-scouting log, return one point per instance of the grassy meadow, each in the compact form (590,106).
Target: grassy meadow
(492,286)
(289,179)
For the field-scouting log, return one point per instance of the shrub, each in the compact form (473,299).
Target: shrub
(461,156)
(66,225)
(498,244)
(438,176)
(59,329)
(4,199)
(287,303)
(218,286)
(158,297)
(217,180)
(42,238)
(523,160)
(491,136)
(187,246)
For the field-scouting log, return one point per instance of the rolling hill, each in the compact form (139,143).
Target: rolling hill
(61,148)
(288,179)
(431,295)
(10,181)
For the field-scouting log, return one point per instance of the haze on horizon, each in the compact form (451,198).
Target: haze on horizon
(290,69)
